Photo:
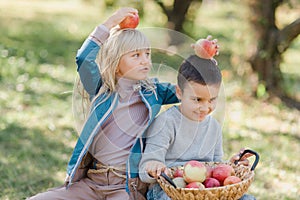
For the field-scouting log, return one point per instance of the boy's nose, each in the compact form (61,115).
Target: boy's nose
(204,107)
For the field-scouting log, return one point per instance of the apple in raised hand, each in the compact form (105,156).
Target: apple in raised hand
(222,171)
(205,48)
(196,185)
(194,171)
(130,22)
(211,182)
(231,180)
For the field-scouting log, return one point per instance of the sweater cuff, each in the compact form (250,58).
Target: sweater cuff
(145,177)
(100,34)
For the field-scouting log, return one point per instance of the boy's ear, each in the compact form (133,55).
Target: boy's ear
(178,92)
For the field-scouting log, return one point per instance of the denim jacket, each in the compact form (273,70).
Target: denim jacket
(164,93)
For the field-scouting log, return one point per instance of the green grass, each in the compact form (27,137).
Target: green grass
(37,127)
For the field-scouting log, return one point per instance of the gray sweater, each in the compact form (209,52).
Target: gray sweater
(174,139)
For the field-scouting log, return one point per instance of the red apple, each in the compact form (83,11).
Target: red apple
(130,22)
(178,173)
(194,171)
(205,48)
(196,184)
(209,171)
(179,182)
(231,180)
(222,171)
(211,182)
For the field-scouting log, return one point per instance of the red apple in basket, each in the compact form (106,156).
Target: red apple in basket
(178,173)
(194,171)
(231,180)
(130,22)
(211,182)
(196,185)
(222,171)
(205,48)
(179,182)
(209,170)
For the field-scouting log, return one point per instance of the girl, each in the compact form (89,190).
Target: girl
(104,163)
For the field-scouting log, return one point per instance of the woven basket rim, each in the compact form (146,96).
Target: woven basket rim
(243,185)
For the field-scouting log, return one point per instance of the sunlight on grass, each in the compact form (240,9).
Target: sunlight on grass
(37,127)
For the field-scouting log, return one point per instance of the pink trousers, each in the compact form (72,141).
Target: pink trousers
(97,186)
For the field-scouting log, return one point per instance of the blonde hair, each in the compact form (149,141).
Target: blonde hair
(119,43)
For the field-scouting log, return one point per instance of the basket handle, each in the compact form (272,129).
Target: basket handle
(251,152)
(168,179)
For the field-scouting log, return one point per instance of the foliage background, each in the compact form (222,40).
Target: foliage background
(38,44)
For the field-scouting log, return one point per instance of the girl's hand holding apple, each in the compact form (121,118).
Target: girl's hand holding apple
(119,16)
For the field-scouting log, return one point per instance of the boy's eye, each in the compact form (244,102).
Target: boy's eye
(197,99)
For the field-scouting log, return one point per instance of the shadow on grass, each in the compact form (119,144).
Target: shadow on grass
(30,161)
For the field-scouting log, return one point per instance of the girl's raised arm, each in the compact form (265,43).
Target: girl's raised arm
(86,56)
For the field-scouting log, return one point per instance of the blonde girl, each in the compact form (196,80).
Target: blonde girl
(124,102)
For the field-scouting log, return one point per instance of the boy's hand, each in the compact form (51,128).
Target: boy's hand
(243,160)
(118,16)
(155,168)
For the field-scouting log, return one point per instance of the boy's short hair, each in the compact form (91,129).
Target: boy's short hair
(199,70)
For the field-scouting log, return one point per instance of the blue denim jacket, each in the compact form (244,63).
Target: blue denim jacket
(164,93)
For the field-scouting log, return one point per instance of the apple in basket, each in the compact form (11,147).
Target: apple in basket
(211,182)
(222,171)
(209,170)
(178,173)
(130,22)
(231,180)
(194,171)
(179,182)
(196,185)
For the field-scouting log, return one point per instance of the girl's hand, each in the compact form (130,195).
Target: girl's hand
(155,168)
(243,160)
(119,16)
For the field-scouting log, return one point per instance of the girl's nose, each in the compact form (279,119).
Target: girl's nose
(145,60)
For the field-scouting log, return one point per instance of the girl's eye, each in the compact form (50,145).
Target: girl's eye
(212,100)
(136,55)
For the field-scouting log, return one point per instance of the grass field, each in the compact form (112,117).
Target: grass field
(38,44)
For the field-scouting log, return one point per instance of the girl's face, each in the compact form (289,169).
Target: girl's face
(135,65)
(197,101)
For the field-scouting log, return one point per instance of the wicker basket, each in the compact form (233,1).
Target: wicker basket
(228,192)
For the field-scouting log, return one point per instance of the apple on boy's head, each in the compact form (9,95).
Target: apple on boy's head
(130,22)
(205,48)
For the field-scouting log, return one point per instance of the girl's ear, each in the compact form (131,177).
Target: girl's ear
(178,92)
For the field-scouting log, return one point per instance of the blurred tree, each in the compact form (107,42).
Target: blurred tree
(272,42)
(177,12)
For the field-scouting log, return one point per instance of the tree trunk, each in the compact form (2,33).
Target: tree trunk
(176,15)
(271,43)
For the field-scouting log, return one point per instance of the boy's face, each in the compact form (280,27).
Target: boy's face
(197,101)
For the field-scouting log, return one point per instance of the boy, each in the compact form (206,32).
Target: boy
(188,131)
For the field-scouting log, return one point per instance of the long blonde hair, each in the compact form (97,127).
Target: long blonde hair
(119,43)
